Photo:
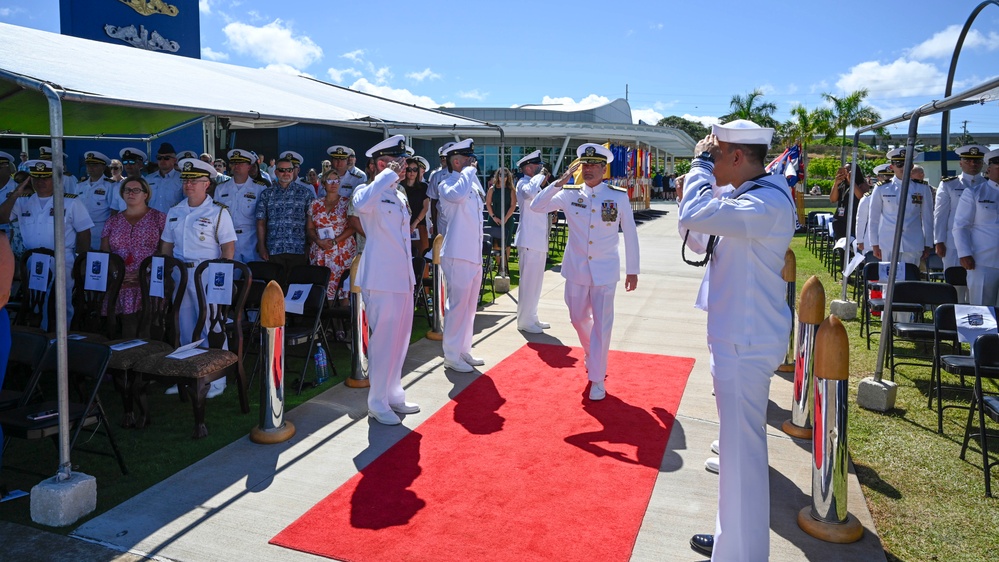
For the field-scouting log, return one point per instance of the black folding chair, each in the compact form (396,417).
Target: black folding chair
(986,352)
(27,348)
(916,297)
(33,419)
(488,260)
(871,304)
(304,328)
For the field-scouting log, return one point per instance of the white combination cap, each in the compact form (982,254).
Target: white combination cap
(742,131)
(594,153)
(532,158)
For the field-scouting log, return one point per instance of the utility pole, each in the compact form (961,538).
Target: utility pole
(964,134)
(626,94)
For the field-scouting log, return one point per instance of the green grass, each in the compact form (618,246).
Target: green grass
(165,447)
(927,504)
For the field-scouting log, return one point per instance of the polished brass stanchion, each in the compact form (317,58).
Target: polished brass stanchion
(811,310)
(827,518)
(790,274)
(272,428)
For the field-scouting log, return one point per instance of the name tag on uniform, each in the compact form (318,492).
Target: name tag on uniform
(26,214)
(608,211)
(388,201)
(97,272)
(219,283)
(99,192)
(578,203)
(250,196)
(157,268)
(172,219)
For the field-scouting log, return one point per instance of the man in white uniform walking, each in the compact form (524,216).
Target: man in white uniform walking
(746,233)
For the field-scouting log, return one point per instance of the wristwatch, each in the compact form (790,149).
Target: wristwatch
(706,156)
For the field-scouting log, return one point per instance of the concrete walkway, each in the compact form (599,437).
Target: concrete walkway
(227,506)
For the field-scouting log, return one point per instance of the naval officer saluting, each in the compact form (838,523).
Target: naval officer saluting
(531,242)
(461,203)
(197,229)
(595,212)
(750,229)
(386,278)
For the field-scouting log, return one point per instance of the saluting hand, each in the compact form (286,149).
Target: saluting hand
(564,178)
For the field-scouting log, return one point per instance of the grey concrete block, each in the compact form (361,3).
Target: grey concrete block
(844,310)
(876,395)
(58,503)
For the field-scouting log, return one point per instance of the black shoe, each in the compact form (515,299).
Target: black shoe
(703,543)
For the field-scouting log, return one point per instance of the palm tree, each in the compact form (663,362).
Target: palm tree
(803,128)
(848,111)
(752,108)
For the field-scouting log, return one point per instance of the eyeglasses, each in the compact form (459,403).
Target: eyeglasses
(132,190)
(412,169)
(161,158)
(115,167)
(284,170)
(333,181)
(130,162)
(194,180)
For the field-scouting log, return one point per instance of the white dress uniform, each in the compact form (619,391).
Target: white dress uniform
(592,264)
(197,234)
(917,230)
(348,182)
(976,234)
(864,222)
(241,199)
(433,193)
(531,241)
(461,202)
(5,190)
(948,195)
(385,276)
(97,197)
(748,322)
(167,190)
(37,222)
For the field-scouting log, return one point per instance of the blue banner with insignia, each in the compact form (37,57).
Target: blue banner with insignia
(169,26)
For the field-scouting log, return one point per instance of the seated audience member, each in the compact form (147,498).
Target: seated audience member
(331,240)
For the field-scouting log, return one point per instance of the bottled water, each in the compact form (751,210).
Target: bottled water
(322,369)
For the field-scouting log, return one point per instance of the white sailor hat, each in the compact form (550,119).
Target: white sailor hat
(882,169)
(44,152)
(240,156)
(6,158)
(972,151)
(532,158)
(339,152)
(742,131)
(132,154)
(464,148)
(593,153)
(293,156)
(191,168)
(94,157)
(39,168)
(421,161)
(186,154)
(990,155)
(896,154)
(443,149)
(392,146)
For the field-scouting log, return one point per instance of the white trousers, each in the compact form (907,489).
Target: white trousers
(591,311)
(532,273)
(463,280)
(741,376)
(983,286)
(246,245)
(390,319)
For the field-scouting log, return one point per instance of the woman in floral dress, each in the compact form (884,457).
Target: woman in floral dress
(331,240)
(133,234)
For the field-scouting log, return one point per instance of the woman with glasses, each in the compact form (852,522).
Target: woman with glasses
(331,239)
(133,234)
(501,202)
(115,169)
(419,204)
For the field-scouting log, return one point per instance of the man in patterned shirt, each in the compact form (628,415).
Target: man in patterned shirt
(281,212)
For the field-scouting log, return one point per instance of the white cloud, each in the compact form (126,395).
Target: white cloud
(942,44)
(274,43)
(424,74)
(650,116)
(338,76)
(210,54)
(663,106)
(7,12)
(629,33)
(900,78)
(381,75)
(286,69)
(398,94)
(792,89)
(570,104)
(355,56)
(473,95)
(767,89)
(205,6)
(656,26)
(821,86)
(705,120)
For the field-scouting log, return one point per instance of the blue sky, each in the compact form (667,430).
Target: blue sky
(675,57)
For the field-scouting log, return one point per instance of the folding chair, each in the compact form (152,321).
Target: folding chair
(488,256)
(304,328)
(262,272)
(422,290)
(986,352)
(87,367)
(935,268)
(916,297)
(157,328)
(36,308)
(224,356)
(26,352)
(93,309)
(877,304)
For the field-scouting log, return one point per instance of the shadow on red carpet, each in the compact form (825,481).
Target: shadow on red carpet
(520,465)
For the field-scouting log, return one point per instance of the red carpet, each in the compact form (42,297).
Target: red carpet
(521,465)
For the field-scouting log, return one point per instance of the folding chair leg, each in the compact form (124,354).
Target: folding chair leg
(967,427)
(984,439)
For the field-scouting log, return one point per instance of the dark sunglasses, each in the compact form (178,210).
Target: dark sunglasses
(412,169)
(165,157)
(115,167)
(284,170)
(130,162)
